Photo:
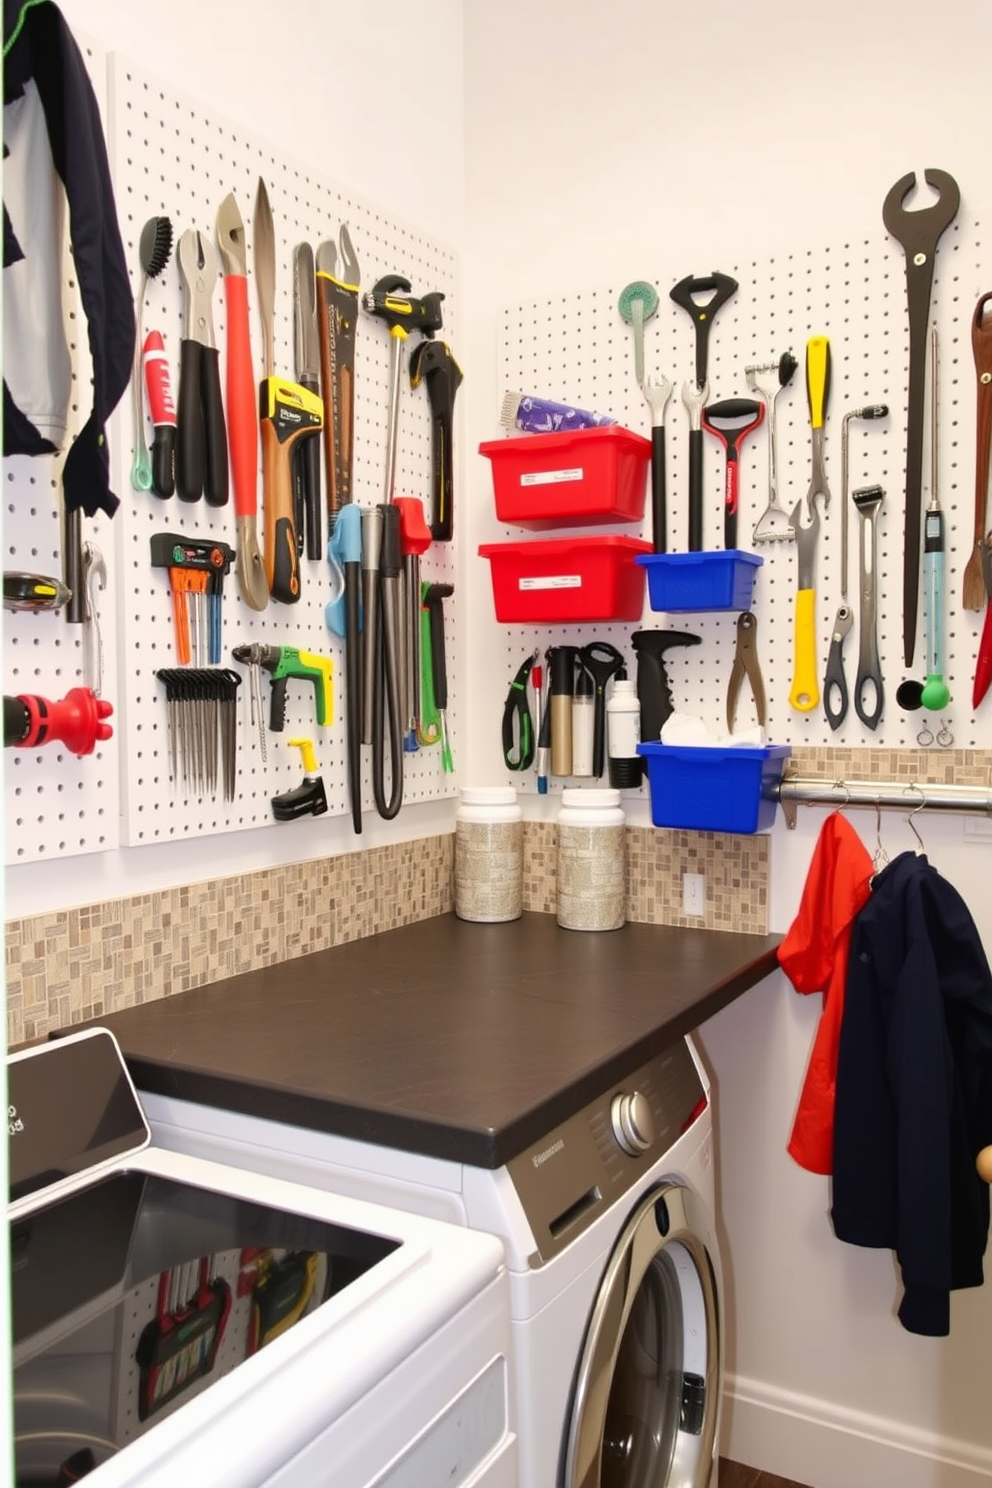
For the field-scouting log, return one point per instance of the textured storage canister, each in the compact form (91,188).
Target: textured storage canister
(489,854)
(592,860)
(573,478)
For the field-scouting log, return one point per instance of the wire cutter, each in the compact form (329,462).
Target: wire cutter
(518,726)
(201,445)
(746,664)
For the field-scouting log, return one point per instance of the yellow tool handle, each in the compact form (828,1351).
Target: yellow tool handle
(805,693)
(817,379)
(305,746)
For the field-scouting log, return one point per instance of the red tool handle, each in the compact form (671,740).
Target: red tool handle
(78,721)
(731,489)
(242,405)
(983,667)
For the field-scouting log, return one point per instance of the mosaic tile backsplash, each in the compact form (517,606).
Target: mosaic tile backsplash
(66,967)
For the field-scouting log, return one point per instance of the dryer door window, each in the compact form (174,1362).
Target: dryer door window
(647,1392)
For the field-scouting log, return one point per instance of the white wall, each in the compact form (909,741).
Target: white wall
(598,137)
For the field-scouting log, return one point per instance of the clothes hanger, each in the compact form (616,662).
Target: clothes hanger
(920,848)
(879,857)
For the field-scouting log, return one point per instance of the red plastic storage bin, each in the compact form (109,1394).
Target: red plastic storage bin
(579,476)
(570,578)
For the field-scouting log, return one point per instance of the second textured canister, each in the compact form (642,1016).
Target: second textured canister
(592,860)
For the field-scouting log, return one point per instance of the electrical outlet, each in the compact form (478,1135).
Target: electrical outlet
(693,894)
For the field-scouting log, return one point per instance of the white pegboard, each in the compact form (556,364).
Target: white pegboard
(170,155)
(56,804)
(578,349)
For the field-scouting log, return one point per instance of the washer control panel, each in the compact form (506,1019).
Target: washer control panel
(566,1180)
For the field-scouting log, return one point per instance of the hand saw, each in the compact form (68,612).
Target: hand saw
(337,318)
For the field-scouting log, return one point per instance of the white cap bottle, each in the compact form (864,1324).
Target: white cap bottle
(623,734)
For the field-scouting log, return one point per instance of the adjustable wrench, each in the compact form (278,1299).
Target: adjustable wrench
(917,233)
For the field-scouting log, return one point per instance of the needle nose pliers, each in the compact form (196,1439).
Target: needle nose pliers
(201,449)
(746,664)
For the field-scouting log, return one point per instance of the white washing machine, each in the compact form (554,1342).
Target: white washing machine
(615,1281)
(181,1321)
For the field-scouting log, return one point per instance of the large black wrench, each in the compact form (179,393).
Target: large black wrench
(918,234)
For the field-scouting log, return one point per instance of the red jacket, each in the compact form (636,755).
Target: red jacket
(814,957)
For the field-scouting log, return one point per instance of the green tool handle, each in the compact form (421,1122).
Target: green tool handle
(439,671)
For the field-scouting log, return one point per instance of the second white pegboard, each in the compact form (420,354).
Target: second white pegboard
(578,349)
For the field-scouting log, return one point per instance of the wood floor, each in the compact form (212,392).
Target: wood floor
(733,1475)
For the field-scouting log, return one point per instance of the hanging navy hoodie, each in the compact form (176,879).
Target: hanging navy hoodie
(914,1089)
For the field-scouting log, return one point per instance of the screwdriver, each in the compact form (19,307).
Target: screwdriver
(434,597)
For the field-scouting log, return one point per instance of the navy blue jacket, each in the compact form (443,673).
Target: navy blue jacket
(914,1089)
(39,46)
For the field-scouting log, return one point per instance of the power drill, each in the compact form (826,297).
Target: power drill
(283,662)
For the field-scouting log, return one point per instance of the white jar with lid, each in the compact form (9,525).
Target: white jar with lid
(592,860)
(489,854)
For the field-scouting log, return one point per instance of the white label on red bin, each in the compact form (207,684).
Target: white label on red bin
(552,477)
(553,581)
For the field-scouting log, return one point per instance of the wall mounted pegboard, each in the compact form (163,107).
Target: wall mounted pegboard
(578,349)
(171,156)
(56,803)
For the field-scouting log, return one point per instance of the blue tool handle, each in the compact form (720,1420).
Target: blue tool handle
(345,546)
(933,570)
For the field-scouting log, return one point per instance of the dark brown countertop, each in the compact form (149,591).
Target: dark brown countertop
(457,1040)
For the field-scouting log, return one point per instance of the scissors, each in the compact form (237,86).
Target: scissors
(518,726)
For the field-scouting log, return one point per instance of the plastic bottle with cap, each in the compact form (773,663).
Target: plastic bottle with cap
(623,734)
(583,723)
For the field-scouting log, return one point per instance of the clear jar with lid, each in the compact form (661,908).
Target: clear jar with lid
(592,860)
(489,854)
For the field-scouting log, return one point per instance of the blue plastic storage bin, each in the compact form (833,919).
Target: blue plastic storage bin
(701,581)
(723,789)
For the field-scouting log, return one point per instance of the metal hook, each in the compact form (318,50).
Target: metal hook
(919,807)
(879,856)
(925,737)
(838,785)
(944,736)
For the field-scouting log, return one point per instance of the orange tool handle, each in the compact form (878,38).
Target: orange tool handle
(282,563)
(179,584)
(242,409)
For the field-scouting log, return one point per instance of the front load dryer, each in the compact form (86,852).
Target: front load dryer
(615,1281)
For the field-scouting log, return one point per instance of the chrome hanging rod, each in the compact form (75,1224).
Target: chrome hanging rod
(891,795)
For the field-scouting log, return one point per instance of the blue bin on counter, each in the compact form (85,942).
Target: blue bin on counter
(701,581)
(721,789)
